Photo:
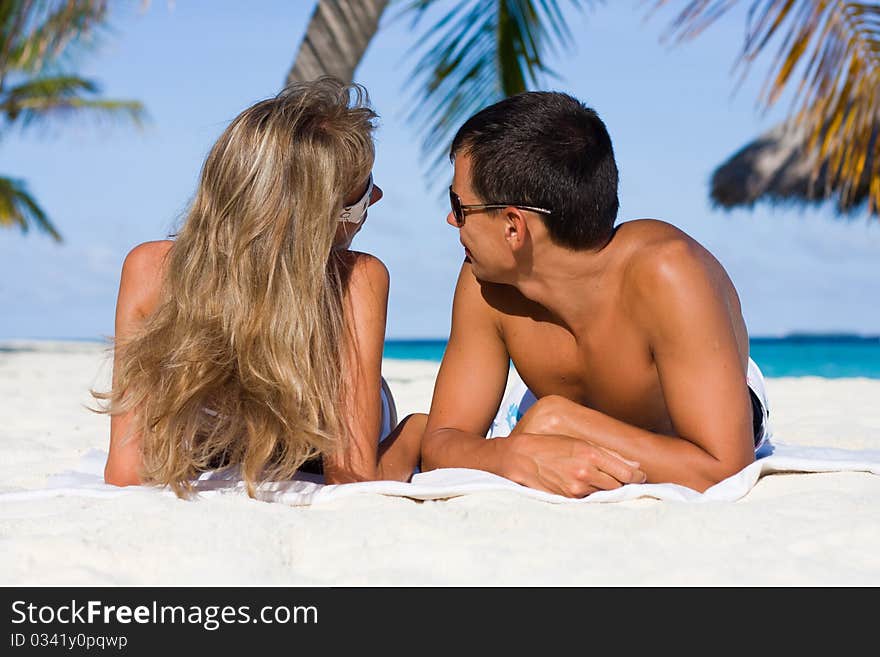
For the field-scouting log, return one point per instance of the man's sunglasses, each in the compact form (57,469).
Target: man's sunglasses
(459,210)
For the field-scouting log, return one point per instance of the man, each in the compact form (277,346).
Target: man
(631,337)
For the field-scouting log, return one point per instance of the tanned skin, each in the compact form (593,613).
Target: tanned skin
(637,353)
(366,303)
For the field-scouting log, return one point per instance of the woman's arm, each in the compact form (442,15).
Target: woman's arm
(366,307)
(139,289)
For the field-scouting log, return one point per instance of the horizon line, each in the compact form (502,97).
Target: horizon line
(793,335)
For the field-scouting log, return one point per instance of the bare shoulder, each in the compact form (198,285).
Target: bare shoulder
(148,257)
(143,272)
(366,288)
(468,286)
(368,268)
(367,275)
(366,302)
(668,278)
(659,254)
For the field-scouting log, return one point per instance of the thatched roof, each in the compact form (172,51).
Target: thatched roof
(775,168)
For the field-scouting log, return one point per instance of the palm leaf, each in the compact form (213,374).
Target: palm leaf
(480,52)
(60,96)
(18,208)
(33,32)
(835,48)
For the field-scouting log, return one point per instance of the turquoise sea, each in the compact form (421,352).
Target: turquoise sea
(829,356)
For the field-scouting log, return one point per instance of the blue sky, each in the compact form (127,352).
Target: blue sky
(671,112)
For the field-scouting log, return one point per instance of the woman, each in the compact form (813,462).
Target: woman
(255,337)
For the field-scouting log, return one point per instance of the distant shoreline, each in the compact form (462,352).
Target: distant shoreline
(823,355)
(795,337)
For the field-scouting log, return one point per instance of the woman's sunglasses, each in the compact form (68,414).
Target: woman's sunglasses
(459,210)
(356,212)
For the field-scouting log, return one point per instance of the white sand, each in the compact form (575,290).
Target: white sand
(791,529)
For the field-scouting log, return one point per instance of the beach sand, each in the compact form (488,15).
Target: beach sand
(791,529)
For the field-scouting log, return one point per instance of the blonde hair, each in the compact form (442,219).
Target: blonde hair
(241,362)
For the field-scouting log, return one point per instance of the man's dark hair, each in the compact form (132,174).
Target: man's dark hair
(548,150)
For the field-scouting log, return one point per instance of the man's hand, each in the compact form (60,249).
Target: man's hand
(567,466)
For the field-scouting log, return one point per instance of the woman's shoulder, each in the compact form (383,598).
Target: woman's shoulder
(366,264)
(366,269)
(148,257)
(368,285)
(142,274)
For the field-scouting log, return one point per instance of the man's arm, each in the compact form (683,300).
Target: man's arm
(692,334)
(679,300)
(467,393)
(469,385)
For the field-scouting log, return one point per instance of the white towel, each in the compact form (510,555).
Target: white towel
(87,481)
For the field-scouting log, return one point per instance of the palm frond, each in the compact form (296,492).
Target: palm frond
(13,100)
(480,52)
(835,45)
(60,96)
(33,32)
(18,208)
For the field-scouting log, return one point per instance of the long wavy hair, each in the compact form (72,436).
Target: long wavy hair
(241,363)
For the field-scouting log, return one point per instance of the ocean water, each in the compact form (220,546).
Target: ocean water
(828,356)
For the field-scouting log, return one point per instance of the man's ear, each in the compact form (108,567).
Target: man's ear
(516,230)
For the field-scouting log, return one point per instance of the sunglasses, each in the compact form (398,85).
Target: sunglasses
(459,210)
(356,212)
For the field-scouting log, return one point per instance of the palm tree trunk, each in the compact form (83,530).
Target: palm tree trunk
(336,38)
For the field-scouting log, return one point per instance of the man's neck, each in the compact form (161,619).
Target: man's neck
(568,283)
